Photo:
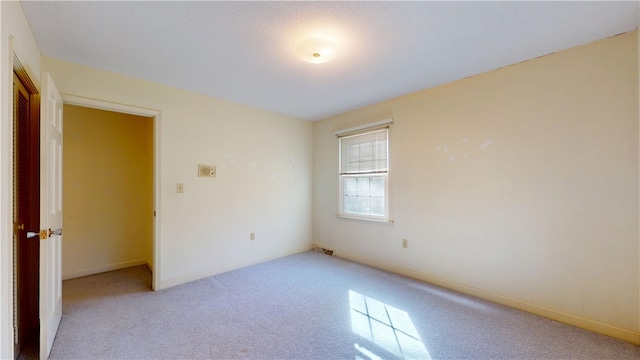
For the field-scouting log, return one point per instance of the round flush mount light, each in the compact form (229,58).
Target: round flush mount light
(316,50)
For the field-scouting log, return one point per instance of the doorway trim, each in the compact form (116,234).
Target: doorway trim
(157,118)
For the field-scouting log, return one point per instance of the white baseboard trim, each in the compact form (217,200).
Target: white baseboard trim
(204,274)
(101,269)
(584,323)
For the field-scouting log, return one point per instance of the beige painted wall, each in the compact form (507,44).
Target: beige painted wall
(263,182)
(15,37)
(521,183)
(108,191)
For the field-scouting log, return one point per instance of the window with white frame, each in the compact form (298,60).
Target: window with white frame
(364,174)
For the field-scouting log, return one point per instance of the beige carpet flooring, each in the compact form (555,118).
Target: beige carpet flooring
(306,306)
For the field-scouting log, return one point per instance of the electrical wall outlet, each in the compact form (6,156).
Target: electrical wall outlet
(405,243)
(252,236)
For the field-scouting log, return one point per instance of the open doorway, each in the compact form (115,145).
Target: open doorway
(108,191)
(155,115)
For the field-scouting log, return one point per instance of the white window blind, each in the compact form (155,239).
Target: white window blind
(364,153)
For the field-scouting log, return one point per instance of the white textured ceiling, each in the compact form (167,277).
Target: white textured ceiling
(245,51)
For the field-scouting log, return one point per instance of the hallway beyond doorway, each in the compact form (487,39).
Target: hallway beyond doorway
(108,191)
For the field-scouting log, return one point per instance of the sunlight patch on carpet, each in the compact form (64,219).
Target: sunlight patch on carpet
(385,326)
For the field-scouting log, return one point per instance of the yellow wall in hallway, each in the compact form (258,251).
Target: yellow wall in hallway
(108,190)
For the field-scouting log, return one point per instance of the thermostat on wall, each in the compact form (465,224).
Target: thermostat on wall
(206,170)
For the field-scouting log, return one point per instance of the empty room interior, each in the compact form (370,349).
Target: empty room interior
(283,169)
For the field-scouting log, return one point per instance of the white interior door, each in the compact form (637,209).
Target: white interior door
(50,214)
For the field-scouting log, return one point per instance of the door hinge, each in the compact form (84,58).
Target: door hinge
(17,227)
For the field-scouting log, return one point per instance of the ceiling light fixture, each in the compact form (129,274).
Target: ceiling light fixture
(316,50)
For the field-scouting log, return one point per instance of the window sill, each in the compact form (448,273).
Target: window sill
(362,218)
